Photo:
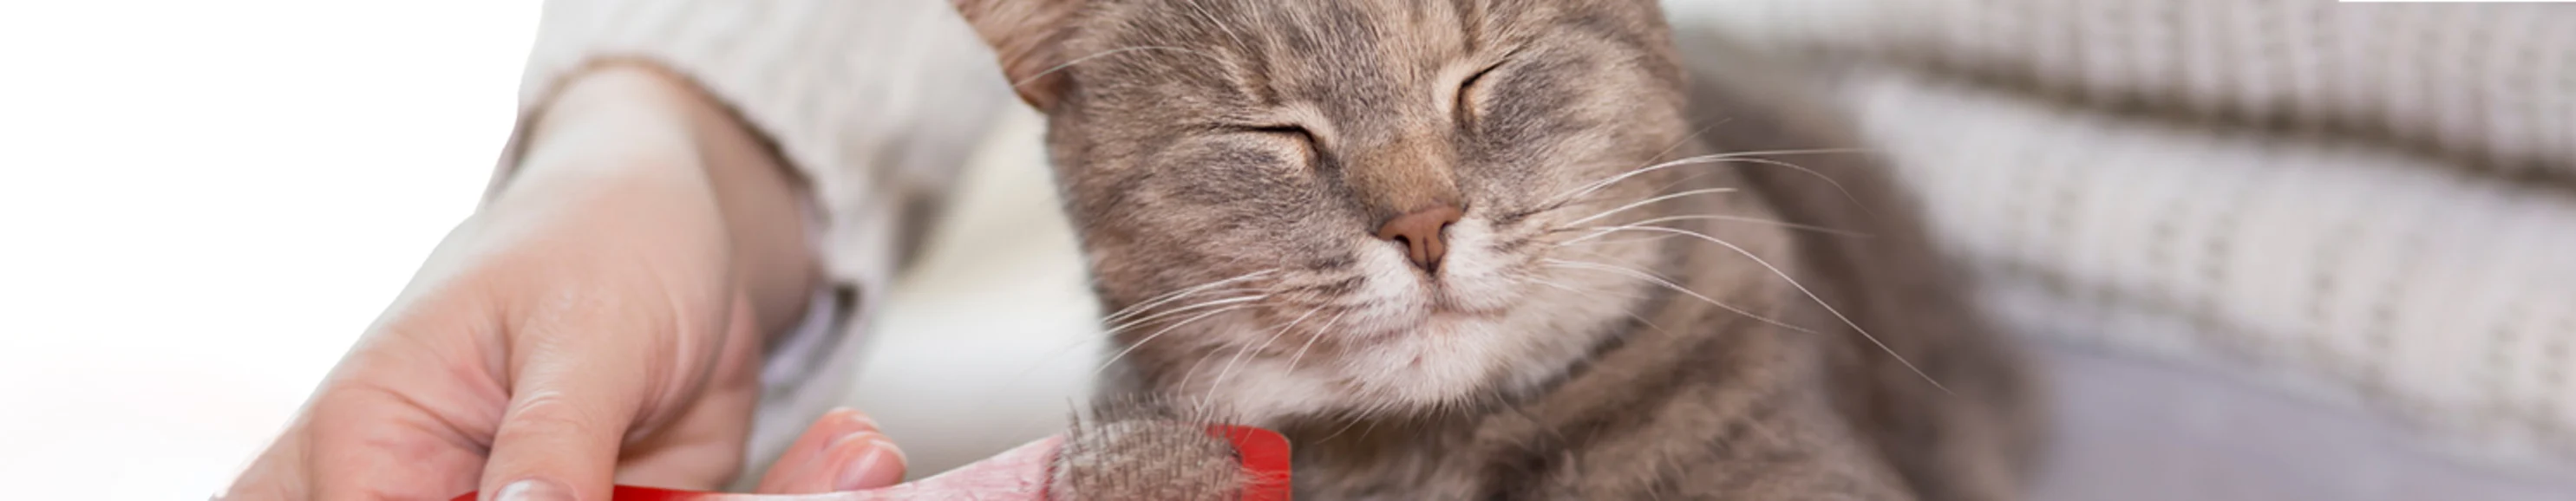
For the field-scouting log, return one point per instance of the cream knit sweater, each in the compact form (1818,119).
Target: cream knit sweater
(2372,203)
(2396,228)
(2488,83)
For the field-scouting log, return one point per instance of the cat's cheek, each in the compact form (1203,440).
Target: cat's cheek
(1473,277)
(1393,297)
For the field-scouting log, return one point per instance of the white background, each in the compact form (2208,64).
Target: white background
(202,203)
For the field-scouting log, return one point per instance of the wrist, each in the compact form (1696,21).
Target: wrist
(767,208)
(621,125)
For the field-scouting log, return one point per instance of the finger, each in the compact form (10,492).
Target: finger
(276,474)
(794,471)
(863,461)
(842,451)
(701,448)
(559,438)
(1019,474)
(365,448)
(379,430)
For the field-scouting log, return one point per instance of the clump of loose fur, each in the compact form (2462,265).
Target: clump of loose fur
(1127,450)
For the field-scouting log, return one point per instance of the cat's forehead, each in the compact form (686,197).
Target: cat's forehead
(1372,55)
(1293,41)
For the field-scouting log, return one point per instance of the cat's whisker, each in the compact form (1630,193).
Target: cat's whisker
(1192,374)
(1829,180)
(1642,203)
(1718,158)
(1347,423)
(1176,295)
(1694,135)
(1677,144)
(1607,241)
(1167,297)
(1552,283)
(1140,342)
(1640,320)
(1069,346)
(1576,194)
(1320,332)
(1650,277)
(1202,11)
(1678,182)
(1184,309)
(1802,289)
(1598,232)
(1113,320)
(1068,64)
(1265,344)
(1133,312)
(1113,331)
(1141,307)
(1570,196)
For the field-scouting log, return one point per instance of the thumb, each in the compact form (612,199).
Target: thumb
(559,438)
(842,451)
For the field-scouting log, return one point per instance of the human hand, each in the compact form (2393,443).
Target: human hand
(599,320)
(844,457)
(1128,453)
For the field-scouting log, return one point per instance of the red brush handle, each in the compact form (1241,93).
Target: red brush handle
(1264,454)
(633,493)
(1265,460)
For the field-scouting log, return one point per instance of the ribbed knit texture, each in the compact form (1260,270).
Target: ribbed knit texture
(2492,83)
(2343,270)
(877,102)
(2327,194)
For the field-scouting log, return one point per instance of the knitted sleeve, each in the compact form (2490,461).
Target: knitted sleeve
(877,103)
(2493,84)
(2290,187)
(2335,269)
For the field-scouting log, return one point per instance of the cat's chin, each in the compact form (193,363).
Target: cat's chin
(1446,358)
(1442,361)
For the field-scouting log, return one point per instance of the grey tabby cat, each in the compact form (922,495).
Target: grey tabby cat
(1478,249)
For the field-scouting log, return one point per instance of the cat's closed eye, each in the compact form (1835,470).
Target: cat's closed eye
(1308,144)
(1468,90)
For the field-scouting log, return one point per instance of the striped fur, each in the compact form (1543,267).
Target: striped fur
(1225,161)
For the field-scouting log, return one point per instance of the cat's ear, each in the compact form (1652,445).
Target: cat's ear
(1025,34)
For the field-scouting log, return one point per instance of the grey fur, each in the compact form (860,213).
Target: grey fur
(1255,144)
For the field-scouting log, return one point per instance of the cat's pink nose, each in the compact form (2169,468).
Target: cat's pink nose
(1419,231)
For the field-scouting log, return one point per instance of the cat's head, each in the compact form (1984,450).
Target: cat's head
(1302,206)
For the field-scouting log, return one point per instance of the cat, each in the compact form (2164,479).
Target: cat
(1496,249)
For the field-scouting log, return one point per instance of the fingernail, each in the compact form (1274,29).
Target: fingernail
(880,465)
(533,490)
(860,418)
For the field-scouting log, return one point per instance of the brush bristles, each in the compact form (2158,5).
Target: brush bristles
(1138,452)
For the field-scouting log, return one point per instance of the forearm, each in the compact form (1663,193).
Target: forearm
(765,208)
(622,125)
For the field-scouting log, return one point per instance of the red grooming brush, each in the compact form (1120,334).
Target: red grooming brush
(1262,453)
